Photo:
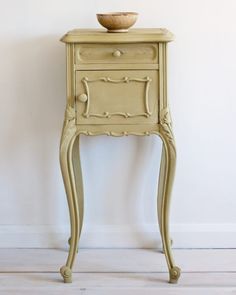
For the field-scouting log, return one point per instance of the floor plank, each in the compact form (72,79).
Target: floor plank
(133,291)
(117,260)
(117,271)
(125,283)
(117,280)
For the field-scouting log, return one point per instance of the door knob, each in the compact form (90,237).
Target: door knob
(117,53)
(83,97)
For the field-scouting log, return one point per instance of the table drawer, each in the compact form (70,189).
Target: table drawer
(116,97)
(116,53)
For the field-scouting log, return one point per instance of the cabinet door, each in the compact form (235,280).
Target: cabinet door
(117,97)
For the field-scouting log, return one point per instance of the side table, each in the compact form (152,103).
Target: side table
(117,86)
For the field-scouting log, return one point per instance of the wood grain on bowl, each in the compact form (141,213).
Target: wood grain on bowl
(117,21)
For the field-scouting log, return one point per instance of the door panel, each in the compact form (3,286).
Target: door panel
(116,97)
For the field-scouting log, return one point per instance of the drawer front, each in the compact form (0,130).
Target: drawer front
(116,97)
(116,53)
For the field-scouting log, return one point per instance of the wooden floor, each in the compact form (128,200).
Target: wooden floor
(117,271)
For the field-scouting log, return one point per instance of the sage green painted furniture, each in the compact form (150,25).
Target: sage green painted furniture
(116,85)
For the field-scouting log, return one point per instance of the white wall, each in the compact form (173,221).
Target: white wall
(120,174)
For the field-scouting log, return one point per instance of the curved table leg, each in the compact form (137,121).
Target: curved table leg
(160,190)
(166,178)
(78,182)
(68,150)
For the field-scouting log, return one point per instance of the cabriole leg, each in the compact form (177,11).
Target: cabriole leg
(160,190)
(166,178)
(70,172)
(78,182)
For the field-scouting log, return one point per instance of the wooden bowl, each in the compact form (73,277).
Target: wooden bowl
(116,22)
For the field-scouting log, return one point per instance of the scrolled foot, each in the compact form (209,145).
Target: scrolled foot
(174,274)
(66,274)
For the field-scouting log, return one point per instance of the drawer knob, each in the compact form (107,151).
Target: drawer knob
(117,53)
(83,97)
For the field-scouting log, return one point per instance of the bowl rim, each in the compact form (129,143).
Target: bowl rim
(118,13)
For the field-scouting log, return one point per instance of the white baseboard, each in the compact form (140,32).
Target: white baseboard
(140,236)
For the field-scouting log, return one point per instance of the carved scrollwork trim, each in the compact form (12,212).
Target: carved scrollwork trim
(116,134)
(165,116)
(69,127)
(166,125)
(147,113)
(69,113)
